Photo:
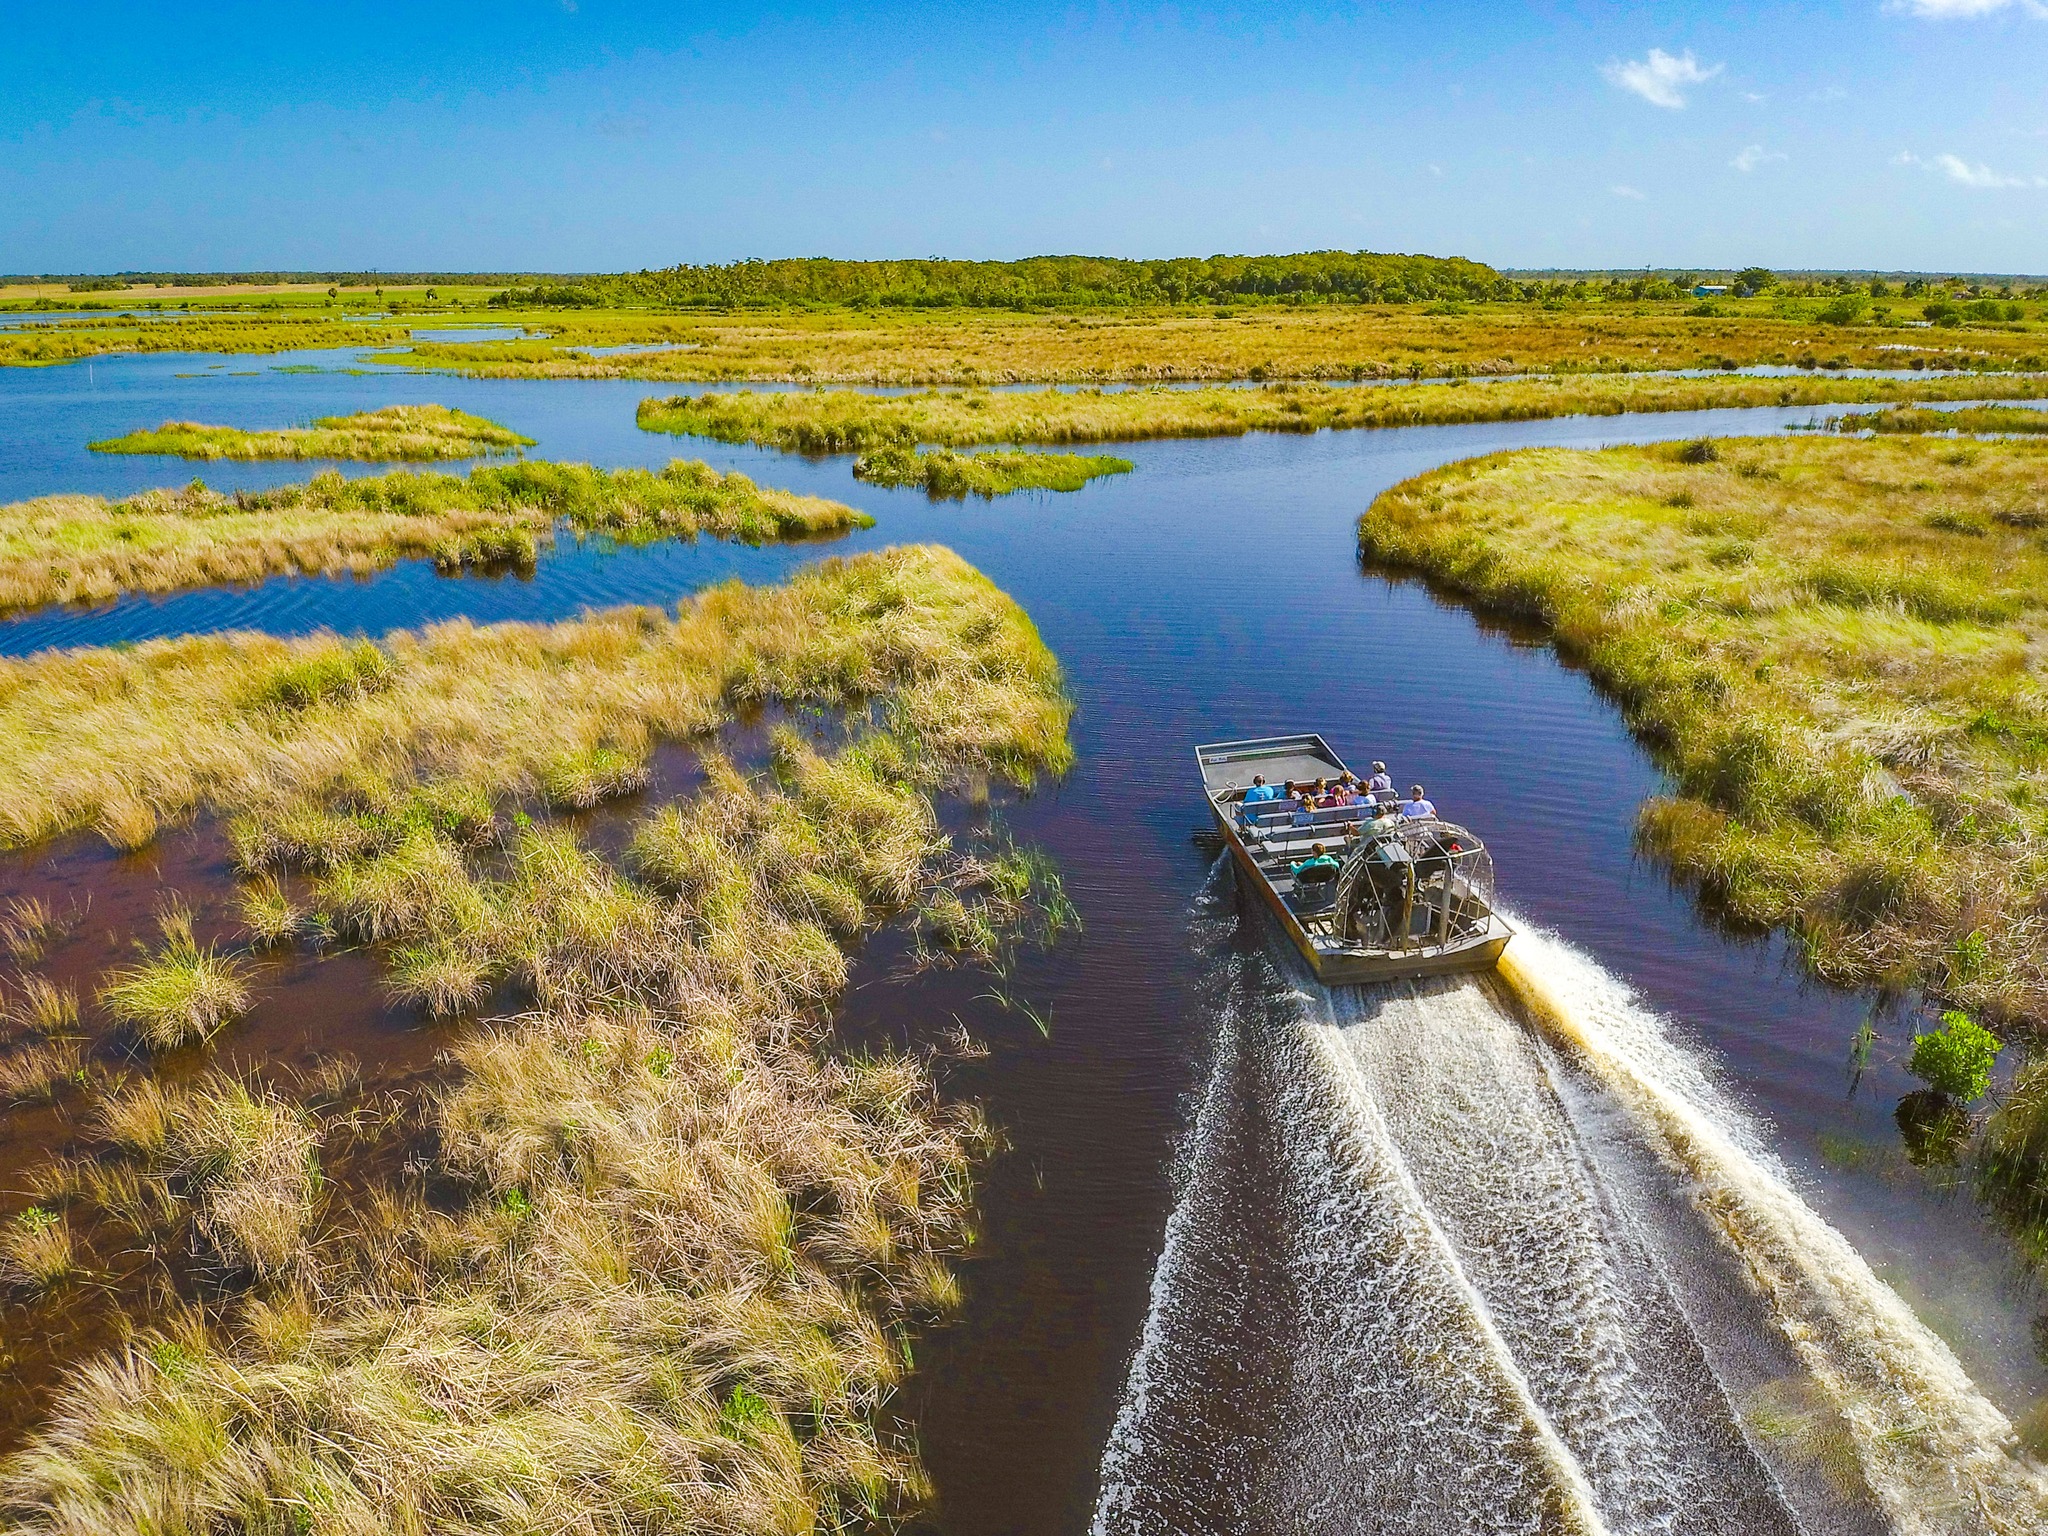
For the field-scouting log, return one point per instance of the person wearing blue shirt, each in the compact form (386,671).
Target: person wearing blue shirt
(1415,807)
(1381,785)
(1260,790)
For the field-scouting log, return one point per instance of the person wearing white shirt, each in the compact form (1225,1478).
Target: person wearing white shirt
(1415,807)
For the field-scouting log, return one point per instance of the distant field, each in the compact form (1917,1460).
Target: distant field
(954,346)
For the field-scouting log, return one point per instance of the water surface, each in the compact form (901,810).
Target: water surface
(1215,592)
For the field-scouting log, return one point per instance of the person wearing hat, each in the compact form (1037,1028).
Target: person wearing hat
(1417,807)
(1380,786)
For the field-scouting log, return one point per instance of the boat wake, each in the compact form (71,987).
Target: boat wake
(1479,1256)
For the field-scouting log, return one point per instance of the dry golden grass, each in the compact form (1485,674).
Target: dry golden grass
(690,1236)
(846,421)
(241,1159)
(1836,645)
(67,549)
(395,432)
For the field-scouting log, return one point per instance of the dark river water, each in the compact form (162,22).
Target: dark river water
(1187,1279)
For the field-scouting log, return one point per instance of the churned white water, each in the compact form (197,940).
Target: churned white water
(1937,1454)
(1404,1290)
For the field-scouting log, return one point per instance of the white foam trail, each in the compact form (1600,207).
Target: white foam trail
(1574,1297)
(1395,1405)
(1939,1456)
(1379,1158)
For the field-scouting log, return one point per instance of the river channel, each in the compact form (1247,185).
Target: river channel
(1257,1256)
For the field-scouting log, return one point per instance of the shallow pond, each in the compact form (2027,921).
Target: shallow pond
(1215,592)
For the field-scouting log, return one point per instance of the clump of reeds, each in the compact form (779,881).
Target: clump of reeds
(945,475)
(393,432)
(87,549)
(241,1158)
(36,1249)
(184,992)
(45,1050)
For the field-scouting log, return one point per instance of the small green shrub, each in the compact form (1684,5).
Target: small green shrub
(1957,1058)
(1701,450)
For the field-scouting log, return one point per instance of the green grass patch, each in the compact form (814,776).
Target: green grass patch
(946,475)
(396,432)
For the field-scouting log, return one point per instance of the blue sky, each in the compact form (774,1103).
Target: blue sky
(606,134)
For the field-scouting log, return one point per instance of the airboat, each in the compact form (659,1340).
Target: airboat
(1406,898)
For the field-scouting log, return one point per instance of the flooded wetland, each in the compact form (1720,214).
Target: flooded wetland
(1115,1222)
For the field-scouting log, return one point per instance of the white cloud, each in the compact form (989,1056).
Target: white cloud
(1981,175)
(1661,78)
(1755,156)
(1628,192)
(1950,10)
(1963,173)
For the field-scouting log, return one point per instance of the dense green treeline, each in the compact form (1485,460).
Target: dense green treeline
(1039,282)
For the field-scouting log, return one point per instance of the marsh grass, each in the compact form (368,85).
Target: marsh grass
(1988,419)
(1833,644)
(237,1160)
(1106,341)
(183,992)
(848,421)
(36,1250)
(945,475)
(658,1261)
(86,549)
(394,432)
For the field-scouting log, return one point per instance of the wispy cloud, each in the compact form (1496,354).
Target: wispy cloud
(1956,168)
(1951,10)
(1634,194)
(1754,156)
(1965,174)
(1661,79)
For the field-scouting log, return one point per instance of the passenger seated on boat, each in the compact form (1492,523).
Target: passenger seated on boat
(1319,866)
(1380,786)
(1416,807)
(1260,797)
(1387,820)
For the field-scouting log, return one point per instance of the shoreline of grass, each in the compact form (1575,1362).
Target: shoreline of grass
(666,1246)
(392,434)
(85,549)
(847,421)
(947,476)
(1989,420)
(1824,640)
